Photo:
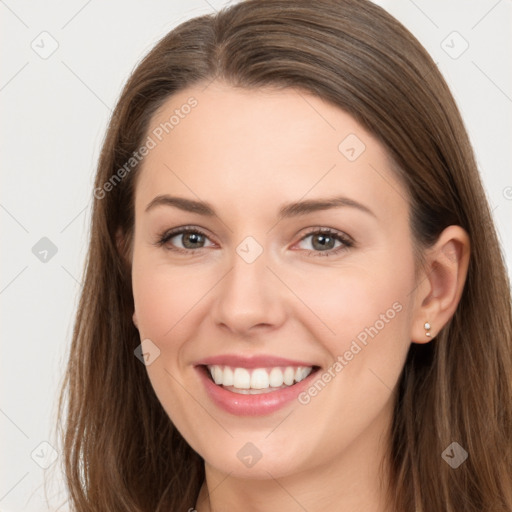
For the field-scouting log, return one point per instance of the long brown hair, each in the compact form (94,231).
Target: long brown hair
(121,451)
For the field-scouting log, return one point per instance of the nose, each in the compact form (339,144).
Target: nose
(250,298)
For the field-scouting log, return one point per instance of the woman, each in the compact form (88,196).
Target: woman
(217,362)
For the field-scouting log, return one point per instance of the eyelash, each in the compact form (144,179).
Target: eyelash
(346,241)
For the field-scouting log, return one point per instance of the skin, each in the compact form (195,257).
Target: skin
(247,152)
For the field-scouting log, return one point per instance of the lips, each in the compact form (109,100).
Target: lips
(255,361)
(257,385)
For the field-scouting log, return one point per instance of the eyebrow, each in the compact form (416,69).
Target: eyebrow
(289,210)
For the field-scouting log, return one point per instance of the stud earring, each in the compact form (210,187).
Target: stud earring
(427,329)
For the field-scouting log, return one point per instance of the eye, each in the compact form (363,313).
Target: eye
(189,238)
(323,242)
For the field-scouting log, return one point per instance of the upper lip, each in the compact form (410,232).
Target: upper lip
(255,361)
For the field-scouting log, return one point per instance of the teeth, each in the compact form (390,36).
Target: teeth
(217,375)
(241,378)
(259,379)
(289,376)
(301,374)
(276,377)
(228,377)
(246,380)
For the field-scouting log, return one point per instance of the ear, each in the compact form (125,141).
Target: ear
(441,283)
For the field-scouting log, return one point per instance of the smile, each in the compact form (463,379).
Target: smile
(255,385)
(257,380)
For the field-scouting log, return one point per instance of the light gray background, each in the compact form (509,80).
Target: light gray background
(54,111)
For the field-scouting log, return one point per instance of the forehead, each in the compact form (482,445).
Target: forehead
(257,147)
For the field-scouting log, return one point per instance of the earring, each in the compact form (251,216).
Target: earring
(427,329)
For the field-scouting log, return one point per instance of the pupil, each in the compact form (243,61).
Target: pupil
(194,236)
(322,239)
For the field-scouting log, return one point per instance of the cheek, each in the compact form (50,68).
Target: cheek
(154,303)
(369,314)
(164,295)
(365,318)
(356,303)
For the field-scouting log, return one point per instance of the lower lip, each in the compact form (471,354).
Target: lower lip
(252,405)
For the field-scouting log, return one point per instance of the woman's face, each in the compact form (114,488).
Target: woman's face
(257,292)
